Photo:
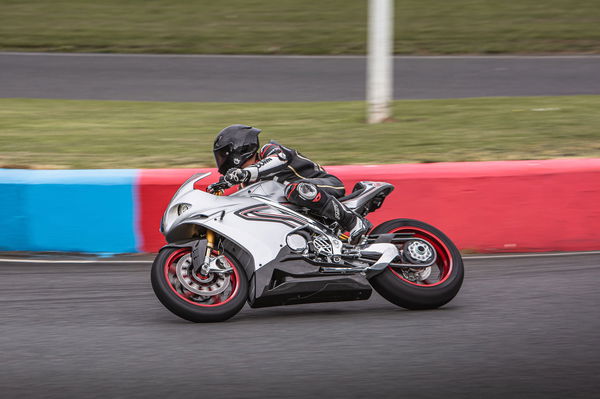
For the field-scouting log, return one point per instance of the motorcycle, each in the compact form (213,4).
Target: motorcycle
(253,246)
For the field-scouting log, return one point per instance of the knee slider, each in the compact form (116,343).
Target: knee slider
(307,191)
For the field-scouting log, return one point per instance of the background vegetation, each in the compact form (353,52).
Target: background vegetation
(297,27)
(118,134)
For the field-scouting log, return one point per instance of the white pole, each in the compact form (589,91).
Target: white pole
(380,60)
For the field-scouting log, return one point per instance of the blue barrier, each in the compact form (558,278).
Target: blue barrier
(68,210)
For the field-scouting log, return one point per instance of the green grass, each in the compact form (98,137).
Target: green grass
(117,134)
(297,27)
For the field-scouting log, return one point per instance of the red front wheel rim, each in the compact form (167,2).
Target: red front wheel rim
(188,296)
(443,264)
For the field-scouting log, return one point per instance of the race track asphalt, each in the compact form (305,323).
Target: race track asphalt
(287,78)
(522,327)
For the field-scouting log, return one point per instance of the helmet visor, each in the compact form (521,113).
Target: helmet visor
(227,158)
(223,159)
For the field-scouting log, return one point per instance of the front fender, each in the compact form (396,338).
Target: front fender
(240,253)
(248,252)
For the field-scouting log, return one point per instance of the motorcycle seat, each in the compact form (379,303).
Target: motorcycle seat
(367,196)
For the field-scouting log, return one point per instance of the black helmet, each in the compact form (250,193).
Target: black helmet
(234,145)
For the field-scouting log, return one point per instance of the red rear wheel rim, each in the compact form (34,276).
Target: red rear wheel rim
(182,293)
(444,257)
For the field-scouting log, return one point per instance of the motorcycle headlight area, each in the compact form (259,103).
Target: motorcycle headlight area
(181,208)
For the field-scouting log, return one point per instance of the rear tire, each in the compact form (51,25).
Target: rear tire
(183,303)
(395,286)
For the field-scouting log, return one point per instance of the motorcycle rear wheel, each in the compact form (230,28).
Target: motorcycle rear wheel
(402,286)
(189,306)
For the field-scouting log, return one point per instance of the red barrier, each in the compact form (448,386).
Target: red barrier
(508,206)
(155,187)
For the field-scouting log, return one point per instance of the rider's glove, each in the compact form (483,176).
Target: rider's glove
(237,176)
(218,186)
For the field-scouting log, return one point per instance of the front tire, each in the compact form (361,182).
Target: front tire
(176,297)
(403,287)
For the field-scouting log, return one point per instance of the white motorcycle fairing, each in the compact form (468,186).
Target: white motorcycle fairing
(255,225)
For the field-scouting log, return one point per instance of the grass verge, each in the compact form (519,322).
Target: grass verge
(297,27)
(67,134)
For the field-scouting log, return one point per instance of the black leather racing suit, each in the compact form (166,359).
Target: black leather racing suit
(306,183)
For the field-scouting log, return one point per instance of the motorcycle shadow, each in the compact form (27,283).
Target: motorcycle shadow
(313,312)
(316,312)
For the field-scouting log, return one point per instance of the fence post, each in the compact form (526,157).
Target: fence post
(380,47)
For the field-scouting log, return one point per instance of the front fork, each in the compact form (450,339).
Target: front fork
(210,245)
(204,260)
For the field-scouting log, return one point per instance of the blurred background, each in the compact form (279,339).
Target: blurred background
(185,101)
(148,84)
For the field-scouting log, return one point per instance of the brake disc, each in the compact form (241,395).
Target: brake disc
(212,284)
(418,252)
(415,274)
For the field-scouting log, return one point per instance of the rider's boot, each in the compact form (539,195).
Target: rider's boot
(360,227)
(347,219)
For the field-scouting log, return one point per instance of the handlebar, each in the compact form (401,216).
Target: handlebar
(218,187)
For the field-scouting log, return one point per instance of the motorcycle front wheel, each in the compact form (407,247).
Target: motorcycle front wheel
(216,297)
(421,288)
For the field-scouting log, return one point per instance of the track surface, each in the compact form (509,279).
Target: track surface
(521,327)
(256,78)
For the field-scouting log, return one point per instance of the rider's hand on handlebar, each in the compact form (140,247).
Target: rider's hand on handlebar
(232,177)
(236,176)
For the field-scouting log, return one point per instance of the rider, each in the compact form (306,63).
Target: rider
(239,160)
